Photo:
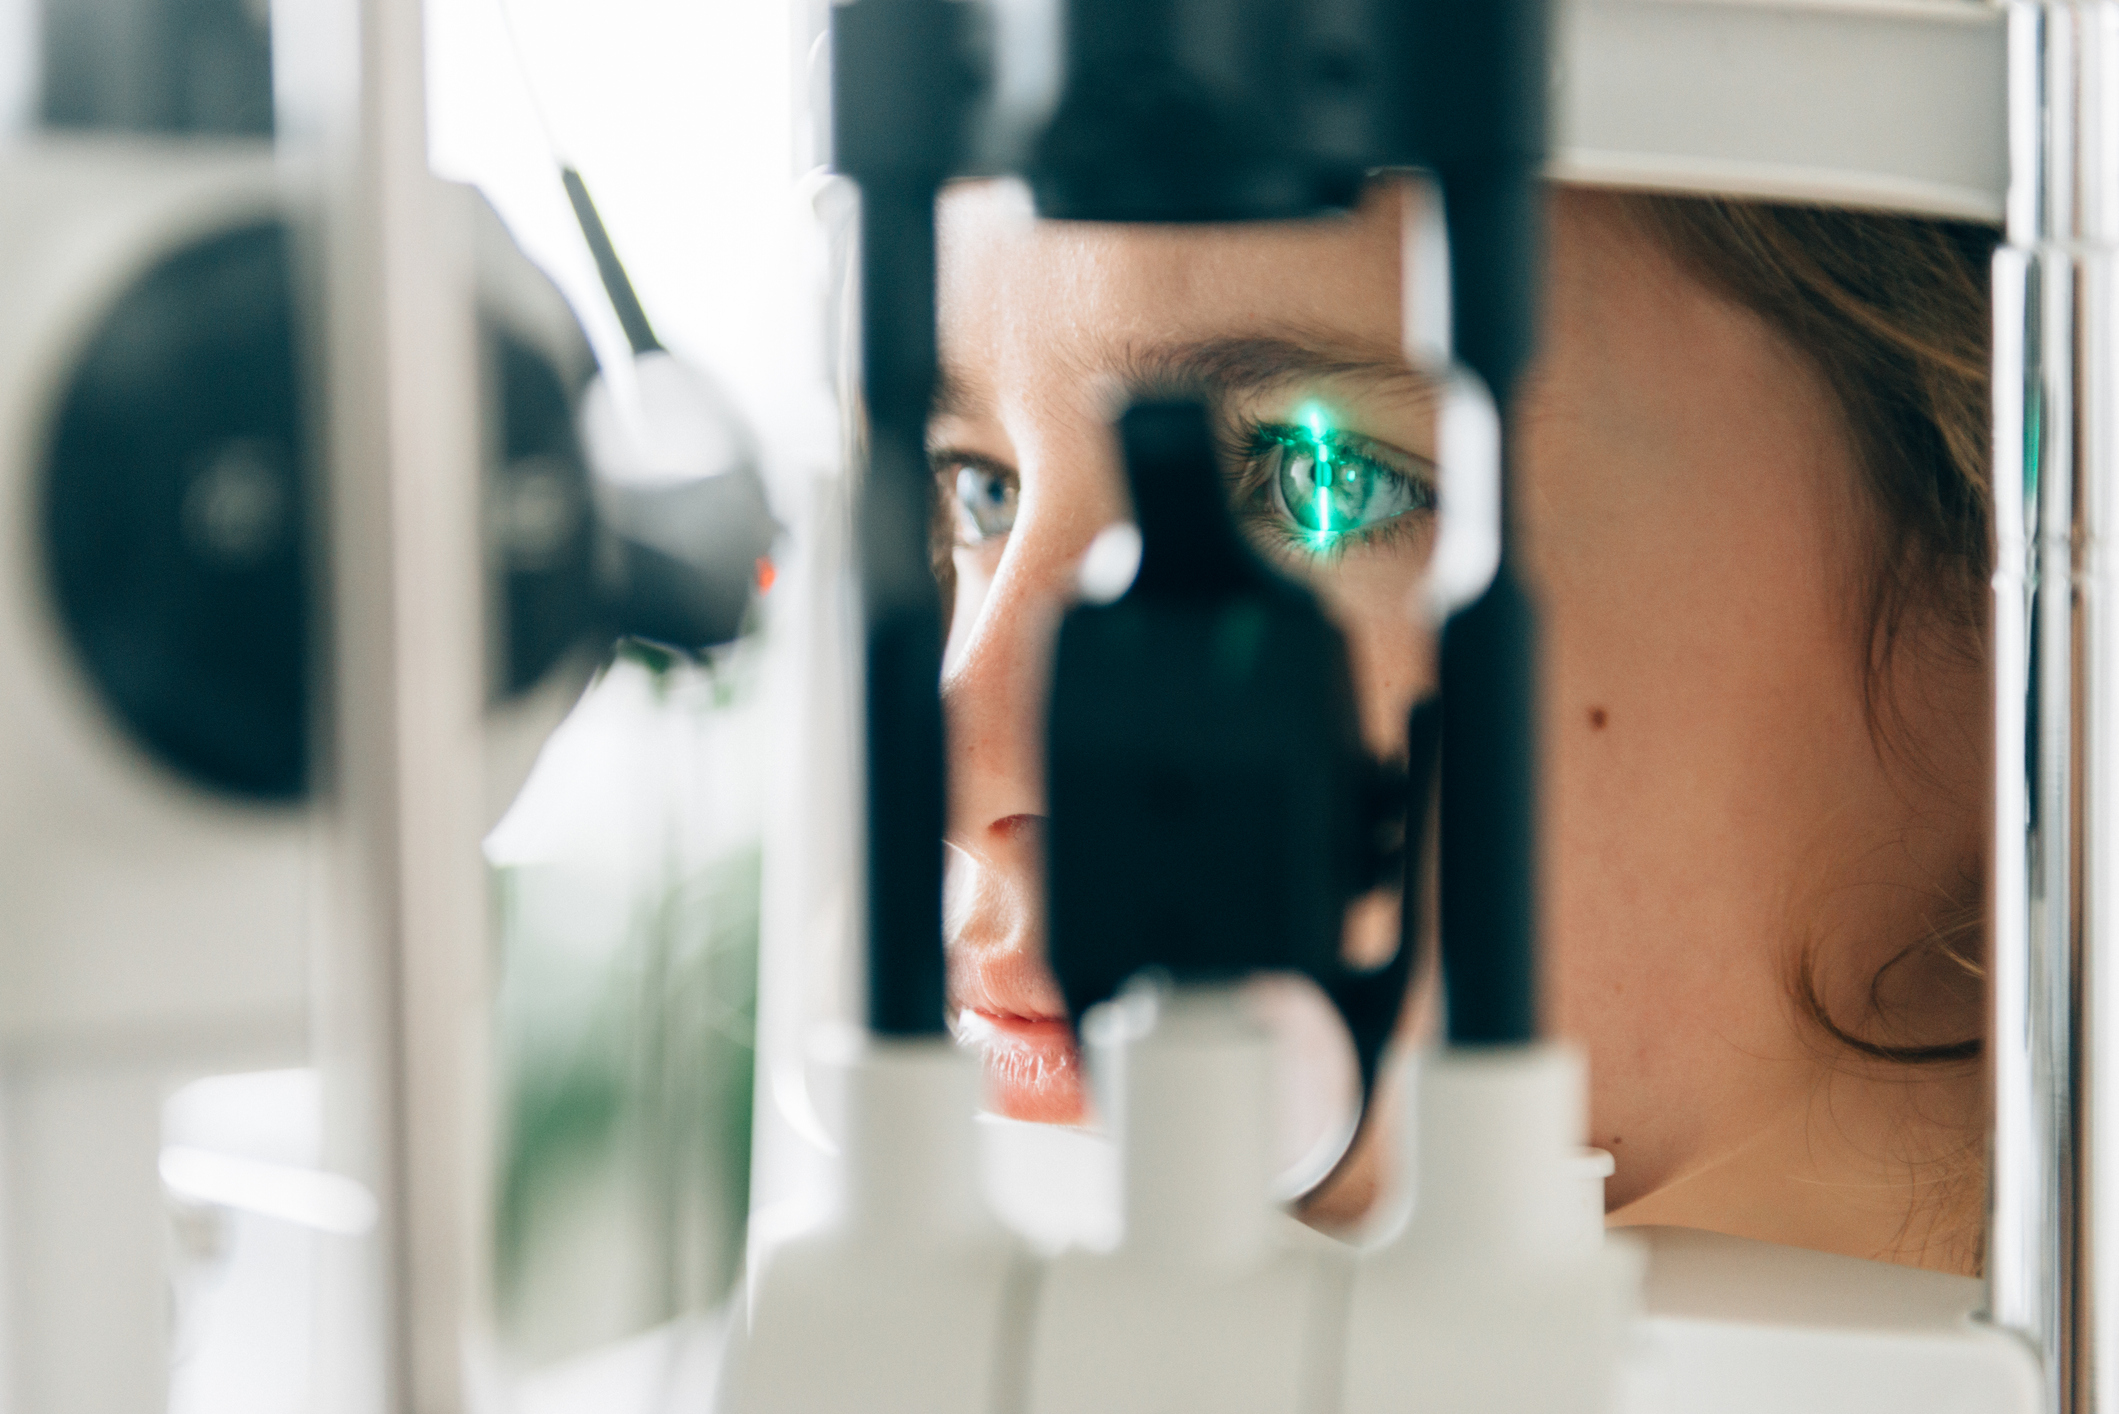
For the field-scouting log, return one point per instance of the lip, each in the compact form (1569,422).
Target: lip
(1033,1068)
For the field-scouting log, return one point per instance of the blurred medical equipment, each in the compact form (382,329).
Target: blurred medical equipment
(304,557)
(1500,1291)
(311,510)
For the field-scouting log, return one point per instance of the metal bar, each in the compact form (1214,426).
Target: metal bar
(2055,887)
(401,938)
(625,301)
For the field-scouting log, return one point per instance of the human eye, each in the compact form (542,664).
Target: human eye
(982,495)
(1315,489)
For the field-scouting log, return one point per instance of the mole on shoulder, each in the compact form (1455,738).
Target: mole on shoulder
(1597,718)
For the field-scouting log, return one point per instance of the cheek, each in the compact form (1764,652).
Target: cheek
(1703,713)
(1689,765)
(1706,748)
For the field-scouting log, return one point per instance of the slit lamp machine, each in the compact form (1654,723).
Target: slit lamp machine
(315,516)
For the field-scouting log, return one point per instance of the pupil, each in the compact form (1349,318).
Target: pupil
(1321,498)
(988,500)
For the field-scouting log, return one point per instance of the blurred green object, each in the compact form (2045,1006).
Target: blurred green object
(628,881)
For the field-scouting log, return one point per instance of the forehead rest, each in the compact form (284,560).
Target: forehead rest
(1889,105)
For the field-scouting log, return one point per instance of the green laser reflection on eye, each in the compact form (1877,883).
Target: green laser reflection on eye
(1330,487)
(1320,452)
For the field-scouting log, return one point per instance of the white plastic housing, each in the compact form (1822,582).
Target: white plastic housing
(903,1295)
(1751,1328)
(1212,1298)
(1890,104)
(153,933)
(1500,1292)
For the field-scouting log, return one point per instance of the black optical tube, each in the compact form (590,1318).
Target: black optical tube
(1480,89)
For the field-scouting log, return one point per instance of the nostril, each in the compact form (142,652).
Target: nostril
(1017,829)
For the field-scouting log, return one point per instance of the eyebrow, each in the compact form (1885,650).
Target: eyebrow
(1254,363)
(956,396)
(1264,363)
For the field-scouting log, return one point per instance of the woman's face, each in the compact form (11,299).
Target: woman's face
(1716,800)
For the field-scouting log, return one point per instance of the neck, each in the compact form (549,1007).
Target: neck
(1880,1162)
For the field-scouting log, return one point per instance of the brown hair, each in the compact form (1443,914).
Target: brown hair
(1894,312)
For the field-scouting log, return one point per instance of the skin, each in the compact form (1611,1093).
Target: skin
(1729,790)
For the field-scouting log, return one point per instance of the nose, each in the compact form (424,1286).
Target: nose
(1000,666)
(994,697)
(994,693)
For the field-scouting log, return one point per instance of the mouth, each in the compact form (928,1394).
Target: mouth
(1033,1069)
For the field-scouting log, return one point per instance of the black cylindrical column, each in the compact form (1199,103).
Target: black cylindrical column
(903,617)
(904,77)
(1476,108)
